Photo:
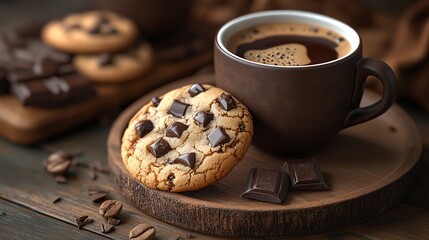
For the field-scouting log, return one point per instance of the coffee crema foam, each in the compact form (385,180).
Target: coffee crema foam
(294,52)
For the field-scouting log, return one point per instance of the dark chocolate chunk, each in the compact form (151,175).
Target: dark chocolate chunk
(176,129)
(226,101)
(266,185)
(218,137)
(203,118)
(108,29)
(159,148)
(113,221)
(196,89)
(45,67)
(186,159)
(54,91)
(106,228)
(178,109)
(242,127)
(95,29)
(80,221)
(155,101)
(96,194)
(105,59)
(305,174)
(143,127)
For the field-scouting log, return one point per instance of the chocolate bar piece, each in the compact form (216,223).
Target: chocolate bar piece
(266,185)
(305,174)
(53,91)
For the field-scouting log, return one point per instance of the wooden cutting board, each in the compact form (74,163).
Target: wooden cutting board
(28,125)
(367,168)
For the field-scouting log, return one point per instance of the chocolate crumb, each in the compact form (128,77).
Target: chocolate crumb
(56,199)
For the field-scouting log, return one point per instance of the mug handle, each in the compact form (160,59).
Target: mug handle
(372,67)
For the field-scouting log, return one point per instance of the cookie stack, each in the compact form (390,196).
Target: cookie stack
(95,46)
(106,45)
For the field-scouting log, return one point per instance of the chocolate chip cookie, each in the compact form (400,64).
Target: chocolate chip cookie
(90,32)
(116,67)
(187,139)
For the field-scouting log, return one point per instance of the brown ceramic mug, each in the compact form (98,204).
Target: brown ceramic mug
(297,108)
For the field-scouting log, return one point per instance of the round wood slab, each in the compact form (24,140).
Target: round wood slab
(367,168)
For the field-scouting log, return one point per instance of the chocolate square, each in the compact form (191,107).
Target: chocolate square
(178,108)
(186,160)
(305,174)
(159,148)
(266,185)
(218,137)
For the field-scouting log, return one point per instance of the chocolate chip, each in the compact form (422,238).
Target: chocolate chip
(176,129)
(203,118)
(142,231)
(45,67)
(56,199)
(110,208)
(96,29)
(196,89)
(186,159)
(105,59)
(178,109)
(106,228)
(143,127)
(218,137)
(113,221)
(159,148)
(108,29)
(226,101)
(242,127)
(155,101)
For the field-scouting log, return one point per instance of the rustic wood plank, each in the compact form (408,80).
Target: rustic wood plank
(17,222)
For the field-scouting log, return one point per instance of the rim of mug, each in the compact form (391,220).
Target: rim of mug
(252,19)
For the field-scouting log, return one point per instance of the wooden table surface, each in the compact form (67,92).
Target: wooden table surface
(27,190)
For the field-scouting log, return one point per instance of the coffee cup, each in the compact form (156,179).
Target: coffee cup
(302,76)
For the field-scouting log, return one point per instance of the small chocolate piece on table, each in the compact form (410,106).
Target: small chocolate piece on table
(159,148)
(178,109)
(186,160)
(144,127)
(106,227)
(305,174)
(218,137)
(176,129)
(113,221)
(266,185)
(196,89)
(203,118)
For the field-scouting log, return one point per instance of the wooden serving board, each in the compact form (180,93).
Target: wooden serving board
(28,125)
(367,168)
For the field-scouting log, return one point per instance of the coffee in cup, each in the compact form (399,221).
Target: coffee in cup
(289,44)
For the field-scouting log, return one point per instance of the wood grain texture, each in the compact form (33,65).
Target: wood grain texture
(21,223)
(367,168)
